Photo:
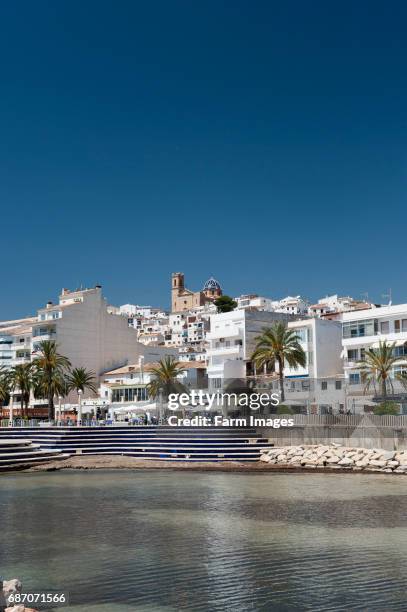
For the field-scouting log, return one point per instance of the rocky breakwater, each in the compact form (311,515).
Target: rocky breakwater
(9,588)
(337,457)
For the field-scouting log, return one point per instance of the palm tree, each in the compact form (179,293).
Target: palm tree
(165,378)
(376,367)
(21,379)
(4,384)
(279,345)
(78,380)
(50,370)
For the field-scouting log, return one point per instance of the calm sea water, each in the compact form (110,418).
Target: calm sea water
(165,541)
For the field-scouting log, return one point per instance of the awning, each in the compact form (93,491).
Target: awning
(134,408)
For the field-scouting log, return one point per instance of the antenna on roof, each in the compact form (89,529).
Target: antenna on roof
(365,296)
(388,295)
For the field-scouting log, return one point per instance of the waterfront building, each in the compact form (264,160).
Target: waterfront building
(124,390)
(363,330)
(231,341)
(319,387)
(85,331)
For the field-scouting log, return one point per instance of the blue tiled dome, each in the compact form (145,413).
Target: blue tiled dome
(211,284)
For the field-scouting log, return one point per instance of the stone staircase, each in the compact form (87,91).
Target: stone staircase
(22,452)
(149,442)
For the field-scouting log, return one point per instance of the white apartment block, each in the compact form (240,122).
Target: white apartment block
(254,301)
(231,342)
(335,304)
(84,331)
(317,388)
(364,329)
(291,305)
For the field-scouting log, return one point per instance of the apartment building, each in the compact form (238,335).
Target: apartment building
(84,330)
(335,304)
(363,330)
(231,342)
(316,388)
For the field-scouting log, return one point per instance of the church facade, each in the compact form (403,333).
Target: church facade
(184,299)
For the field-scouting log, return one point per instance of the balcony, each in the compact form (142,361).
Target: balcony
(21,346)
(225,350)
(225,332)
(20,360)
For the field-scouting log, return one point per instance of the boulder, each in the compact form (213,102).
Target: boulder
(362,462)
(388,455)
(345,461)
(265,458)
(332,460)
(11,586)
(377,463)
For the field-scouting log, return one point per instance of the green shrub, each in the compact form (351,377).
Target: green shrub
(283,409)
(387,408)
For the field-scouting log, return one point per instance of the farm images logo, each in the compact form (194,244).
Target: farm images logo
(220,401)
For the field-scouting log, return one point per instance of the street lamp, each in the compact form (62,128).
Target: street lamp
(79,418)
(140,363)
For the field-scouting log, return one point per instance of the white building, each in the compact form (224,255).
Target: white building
(84,331)
(334,304)
(363,330)
(291,305)
(124,390)
(317,388)
(254,301)
(231,342)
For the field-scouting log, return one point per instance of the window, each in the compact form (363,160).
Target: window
(404,325)
(357,329)
(338,385)
(400,351)
(353,354)
(354,378)
(397,328)
(384,327)
(324,385)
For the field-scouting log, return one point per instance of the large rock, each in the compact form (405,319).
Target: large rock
(265,458)
(332,460)
(363,462)
(377,463)
(346,462)
(11,586)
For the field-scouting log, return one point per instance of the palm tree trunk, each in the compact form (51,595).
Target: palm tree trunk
(51,409)
(22,407)
(281,379)
(384,388)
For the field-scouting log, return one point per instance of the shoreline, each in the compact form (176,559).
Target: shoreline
(123,462)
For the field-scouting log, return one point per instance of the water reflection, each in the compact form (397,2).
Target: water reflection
(152,541)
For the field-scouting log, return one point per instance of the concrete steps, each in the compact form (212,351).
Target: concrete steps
(149,442)
(19,452)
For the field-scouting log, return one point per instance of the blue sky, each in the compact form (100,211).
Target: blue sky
(263,143)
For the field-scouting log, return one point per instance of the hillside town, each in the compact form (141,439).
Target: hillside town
(213,337)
